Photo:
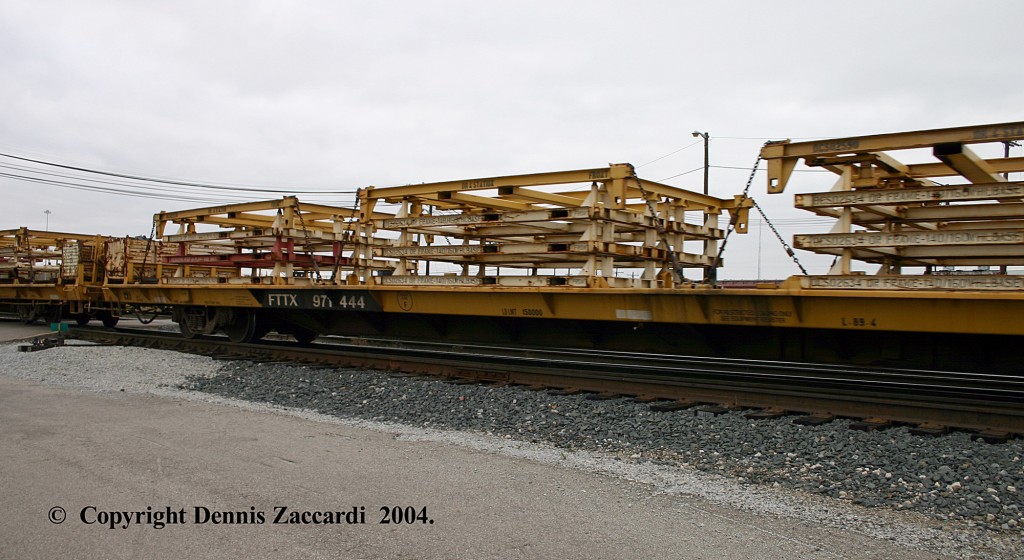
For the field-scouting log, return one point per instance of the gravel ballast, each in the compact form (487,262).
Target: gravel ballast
(947,493)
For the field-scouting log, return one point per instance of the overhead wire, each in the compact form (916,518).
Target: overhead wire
(263,189)
(681,174)
(155,188)
(160,194)
(102,181)
(108,190)
(670,153)
(762,169)
(695,169)
(763,138)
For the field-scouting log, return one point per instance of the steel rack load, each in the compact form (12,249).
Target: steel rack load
(956,210)
(30,256)
(49,275)
(576,228)
(137,259)
(279,241)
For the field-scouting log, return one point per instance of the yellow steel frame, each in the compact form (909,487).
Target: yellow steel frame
(311,228)
(610,219)
(782,157)
(894,214)
(594,221)
(23,248)
(73,273)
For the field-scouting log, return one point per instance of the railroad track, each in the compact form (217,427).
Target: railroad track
(934,401)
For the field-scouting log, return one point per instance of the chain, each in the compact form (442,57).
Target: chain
(145,257)
(143,320)
(24,243)
(341,246)
(789,250)
(676,267)
(732,223)
(309,243)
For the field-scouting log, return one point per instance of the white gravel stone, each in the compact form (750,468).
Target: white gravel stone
(106,368)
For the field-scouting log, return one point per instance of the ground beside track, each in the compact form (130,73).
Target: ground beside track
(950,478)
(514,499)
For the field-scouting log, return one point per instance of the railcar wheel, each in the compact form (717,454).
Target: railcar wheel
(54,315)
(242,328)
(183,317)
(185,331)
(304,336)
(82,319)
(27,314)
(107,318)
(262,330)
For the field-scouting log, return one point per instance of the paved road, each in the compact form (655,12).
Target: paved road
(11,329)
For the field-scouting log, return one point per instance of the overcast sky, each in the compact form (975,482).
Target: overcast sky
(335,95)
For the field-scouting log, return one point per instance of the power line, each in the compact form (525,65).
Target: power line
(770,137)
(108,190)
(171,189)
(140,186)
(683,173)
(80,178)
(164,181)
(762,169)
(695,169)
(164,193)
(729,138)
(671,153)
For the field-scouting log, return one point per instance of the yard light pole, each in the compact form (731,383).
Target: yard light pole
(705,136)
(1006,153)
(710,274)
(47,212)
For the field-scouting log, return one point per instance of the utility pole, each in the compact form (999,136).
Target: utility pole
(1006,153)
(710,274)
(47,212)
(706,138)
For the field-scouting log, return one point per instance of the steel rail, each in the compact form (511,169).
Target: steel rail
(976,401)
(1008,386)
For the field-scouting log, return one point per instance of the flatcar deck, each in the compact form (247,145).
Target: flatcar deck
(971,331)
(787,306)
